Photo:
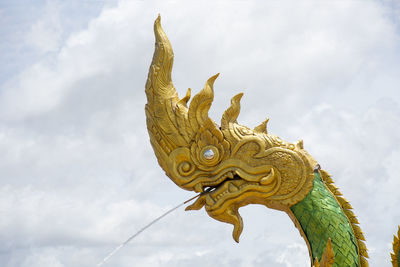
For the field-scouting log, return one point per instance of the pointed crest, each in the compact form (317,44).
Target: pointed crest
(231,114)
(200,105)
(262,128)
(186,98)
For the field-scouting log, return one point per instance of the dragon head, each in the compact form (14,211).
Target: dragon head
(232,165)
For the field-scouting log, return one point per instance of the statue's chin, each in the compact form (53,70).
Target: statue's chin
(223,201)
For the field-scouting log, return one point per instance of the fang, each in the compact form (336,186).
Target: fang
(198,188)
(232,188)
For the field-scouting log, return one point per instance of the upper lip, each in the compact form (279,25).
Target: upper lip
(202,186)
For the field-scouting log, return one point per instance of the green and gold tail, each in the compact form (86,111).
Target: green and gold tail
(396,250)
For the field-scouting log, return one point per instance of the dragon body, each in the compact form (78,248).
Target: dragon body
(321,217)
(232,166)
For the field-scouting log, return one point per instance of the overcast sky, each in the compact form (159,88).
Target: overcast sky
(78,175)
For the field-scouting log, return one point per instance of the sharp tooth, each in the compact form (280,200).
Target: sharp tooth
(209,200)
(230,175)
(268,179)
(233,188)
(198,188)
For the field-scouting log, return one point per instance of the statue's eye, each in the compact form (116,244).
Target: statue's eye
(208,154)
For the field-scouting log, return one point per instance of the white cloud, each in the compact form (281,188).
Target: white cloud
(45,34)
(79,176)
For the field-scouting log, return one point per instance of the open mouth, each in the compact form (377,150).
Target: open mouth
(228,189)
(219,184)
(208,186)
(233,182)
(230,186)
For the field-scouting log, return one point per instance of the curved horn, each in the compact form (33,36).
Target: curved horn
(162,97)
(159,86)
(170,123)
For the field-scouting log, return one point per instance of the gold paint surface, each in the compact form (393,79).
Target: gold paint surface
(238,165)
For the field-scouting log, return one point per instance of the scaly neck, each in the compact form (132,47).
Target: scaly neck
(320,217)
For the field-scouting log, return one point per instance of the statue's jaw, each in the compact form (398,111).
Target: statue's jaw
(223,200)
(233,192)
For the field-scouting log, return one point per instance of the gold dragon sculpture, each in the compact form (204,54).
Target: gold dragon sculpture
(232,166)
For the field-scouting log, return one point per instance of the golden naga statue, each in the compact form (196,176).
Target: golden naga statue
(233,166)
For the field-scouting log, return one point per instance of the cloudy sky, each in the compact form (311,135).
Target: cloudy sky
(78,175)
